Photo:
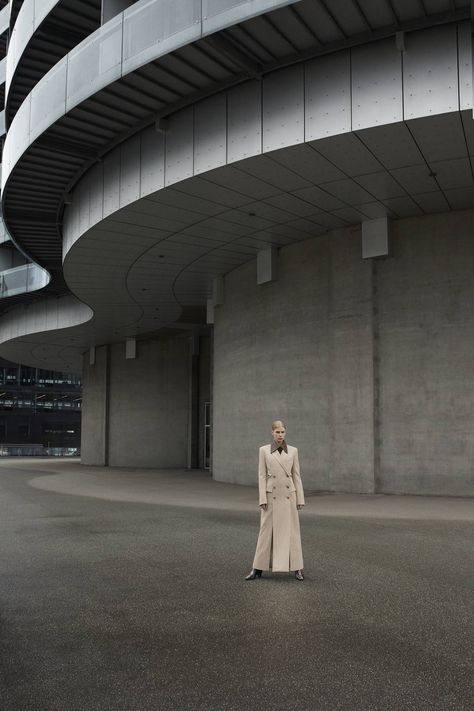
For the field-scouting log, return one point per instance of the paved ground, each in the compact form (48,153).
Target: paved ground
(123,590)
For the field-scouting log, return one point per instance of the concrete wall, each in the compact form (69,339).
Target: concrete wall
(370,362)
(298,349)
(426,323)
(147,406)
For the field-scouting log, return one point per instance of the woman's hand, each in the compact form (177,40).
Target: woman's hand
(299,506)
(263,507)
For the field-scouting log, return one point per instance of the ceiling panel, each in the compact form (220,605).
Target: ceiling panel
(439,137)
(460,199)
(432,202)
(415,179)
(381,185)
(403,206)
(452,174)
(320,198)
(307,162)
(274,174)
(348,191)
(348,153)
(393,145)
(242,183)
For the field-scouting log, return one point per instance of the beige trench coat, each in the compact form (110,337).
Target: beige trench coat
(280,487)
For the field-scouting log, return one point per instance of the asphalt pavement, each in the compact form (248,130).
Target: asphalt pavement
(124,590)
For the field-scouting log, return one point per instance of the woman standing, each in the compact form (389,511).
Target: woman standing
(281,496)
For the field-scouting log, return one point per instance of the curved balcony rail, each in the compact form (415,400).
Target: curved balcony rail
(23,279)
(144,32)
(31,15)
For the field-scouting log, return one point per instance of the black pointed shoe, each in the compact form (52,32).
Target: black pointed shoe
(254,573)
(299,575)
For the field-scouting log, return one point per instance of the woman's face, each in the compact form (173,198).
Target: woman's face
(279,434)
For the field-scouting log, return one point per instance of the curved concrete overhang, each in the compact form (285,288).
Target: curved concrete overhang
(123,77)
(41,34)
(47,333)
(310,148)
(318,145)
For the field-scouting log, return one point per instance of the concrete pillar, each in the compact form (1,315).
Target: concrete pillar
(95,408)
(111,8)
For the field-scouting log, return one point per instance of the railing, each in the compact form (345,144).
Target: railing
(37,450)
(22,279)
(140,34)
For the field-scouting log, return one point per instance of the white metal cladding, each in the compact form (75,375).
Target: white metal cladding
(94,64)
(320,105)
(328,96)
(152,166)
(130,171)
(244,121)
(48,100)
(112,182)
(430,72)
(152,28)
(376,84)
(210,125)
(465,65)
(283,108)
(31,15)
(179,147)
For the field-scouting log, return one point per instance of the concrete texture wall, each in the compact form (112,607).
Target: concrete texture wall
(370,362)
(136,411)
(298,349)
(426,325)
(94,438)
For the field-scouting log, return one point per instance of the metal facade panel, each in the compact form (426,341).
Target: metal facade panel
(210,133)
(154,28)
(465,65)
(376,84)
(130,171)
(244,121)
(17,139)
(430,72)
(283,108)
(112,182)
(96,180)
(179,147)
(95,62)
(327,96)
(84,206)
(152,161)
(48,99)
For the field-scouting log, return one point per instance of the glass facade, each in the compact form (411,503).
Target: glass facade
(40,411)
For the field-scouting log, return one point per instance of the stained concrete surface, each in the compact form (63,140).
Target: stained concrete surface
(139,603)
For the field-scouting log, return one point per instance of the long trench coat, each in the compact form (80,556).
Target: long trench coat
(280,487)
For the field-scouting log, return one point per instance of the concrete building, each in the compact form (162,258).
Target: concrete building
(250,209)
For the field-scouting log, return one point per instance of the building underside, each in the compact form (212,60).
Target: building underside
(248,211)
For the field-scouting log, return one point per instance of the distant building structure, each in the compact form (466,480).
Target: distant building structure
(40,411)
(240,210)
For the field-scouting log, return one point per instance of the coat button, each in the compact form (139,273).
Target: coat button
(287,497)
(274,497)
(274,487)
(274,476)
(287,486)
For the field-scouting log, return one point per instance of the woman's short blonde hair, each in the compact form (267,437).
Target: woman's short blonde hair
(278,423)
